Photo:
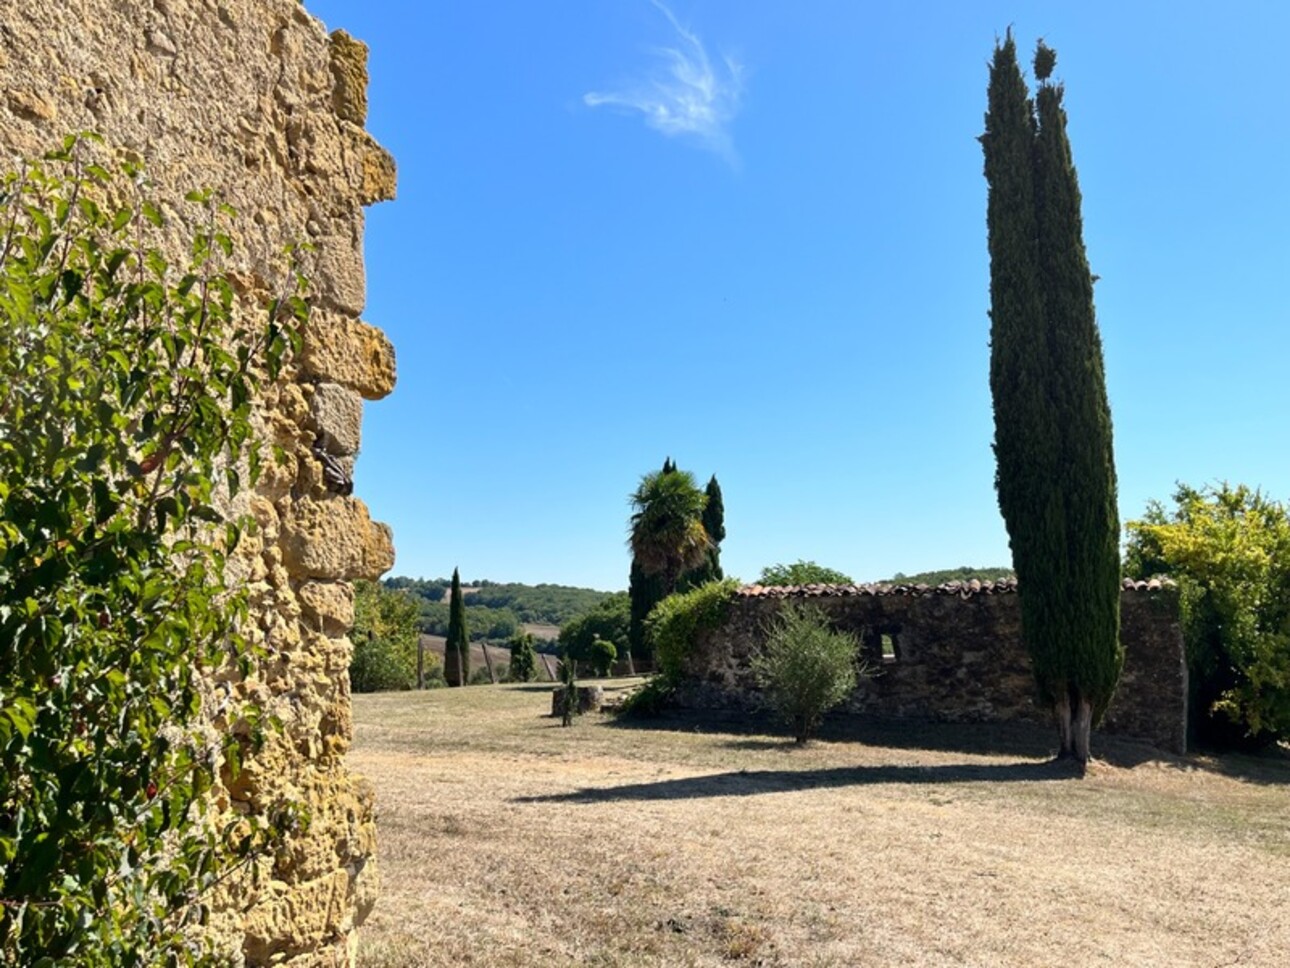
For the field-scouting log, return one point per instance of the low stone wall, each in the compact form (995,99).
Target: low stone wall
(955,655)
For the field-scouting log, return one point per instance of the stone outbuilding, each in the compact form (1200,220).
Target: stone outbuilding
(953,653)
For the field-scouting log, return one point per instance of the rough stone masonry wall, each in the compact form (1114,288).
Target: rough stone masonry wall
(958,657)
(254,99)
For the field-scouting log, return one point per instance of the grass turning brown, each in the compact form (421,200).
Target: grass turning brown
(506,840)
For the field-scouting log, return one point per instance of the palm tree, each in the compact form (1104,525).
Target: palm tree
(667,533)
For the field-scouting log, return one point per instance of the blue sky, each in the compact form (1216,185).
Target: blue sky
(751,235)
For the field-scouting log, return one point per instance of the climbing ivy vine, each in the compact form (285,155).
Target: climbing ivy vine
(126,384)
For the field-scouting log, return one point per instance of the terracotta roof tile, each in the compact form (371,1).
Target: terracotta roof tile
(963,589)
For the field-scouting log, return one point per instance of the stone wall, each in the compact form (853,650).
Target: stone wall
(956,655)
(255,99)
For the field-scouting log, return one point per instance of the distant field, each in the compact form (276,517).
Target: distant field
(500,655)
(537,630)
(506,840)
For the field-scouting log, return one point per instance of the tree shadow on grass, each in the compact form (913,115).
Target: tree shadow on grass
(754,731)
(746,783)
(1269,767)
(757,730)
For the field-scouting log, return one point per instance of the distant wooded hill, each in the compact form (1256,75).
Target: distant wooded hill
(496,610)
(965,573)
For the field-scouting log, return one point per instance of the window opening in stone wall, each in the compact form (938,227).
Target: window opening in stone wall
(889,653)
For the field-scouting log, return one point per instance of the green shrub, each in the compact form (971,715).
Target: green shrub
(649,700)
(385,637)
(677,621)
(805,667)
(480,677)
(1228,547)
(602,657)
(381,665)
(434,673)
(125,428)
(523,666)
(609,620)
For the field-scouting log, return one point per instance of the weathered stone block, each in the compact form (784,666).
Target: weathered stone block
(337,412)
(328,606)
(296,919)
(30,105)
(349,352)
(349,71)
(380,176)
(340,278)
(335,539)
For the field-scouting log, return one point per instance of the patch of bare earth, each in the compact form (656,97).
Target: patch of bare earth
(506,840)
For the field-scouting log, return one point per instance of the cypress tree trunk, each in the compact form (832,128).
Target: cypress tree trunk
(642,590)
(457,651)
(1055,472)
(452,667)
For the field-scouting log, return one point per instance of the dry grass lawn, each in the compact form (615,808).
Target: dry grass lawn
(506,840)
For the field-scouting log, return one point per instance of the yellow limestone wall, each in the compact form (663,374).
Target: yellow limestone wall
(255,99)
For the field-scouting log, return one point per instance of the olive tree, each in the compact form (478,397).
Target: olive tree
(805,667)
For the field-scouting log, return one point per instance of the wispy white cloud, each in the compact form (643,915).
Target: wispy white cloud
(684,94)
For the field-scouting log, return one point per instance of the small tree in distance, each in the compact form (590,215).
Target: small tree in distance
(523,659)
(801,573)
(603,655)
(610,620)
(569,696)
(806,667)
(456,657)
(385,633)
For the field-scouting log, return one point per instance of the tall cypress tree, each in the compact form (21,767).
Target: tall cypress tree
(1095,656)
(456,656)
(714,526)
(714,523)
(1055,471)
